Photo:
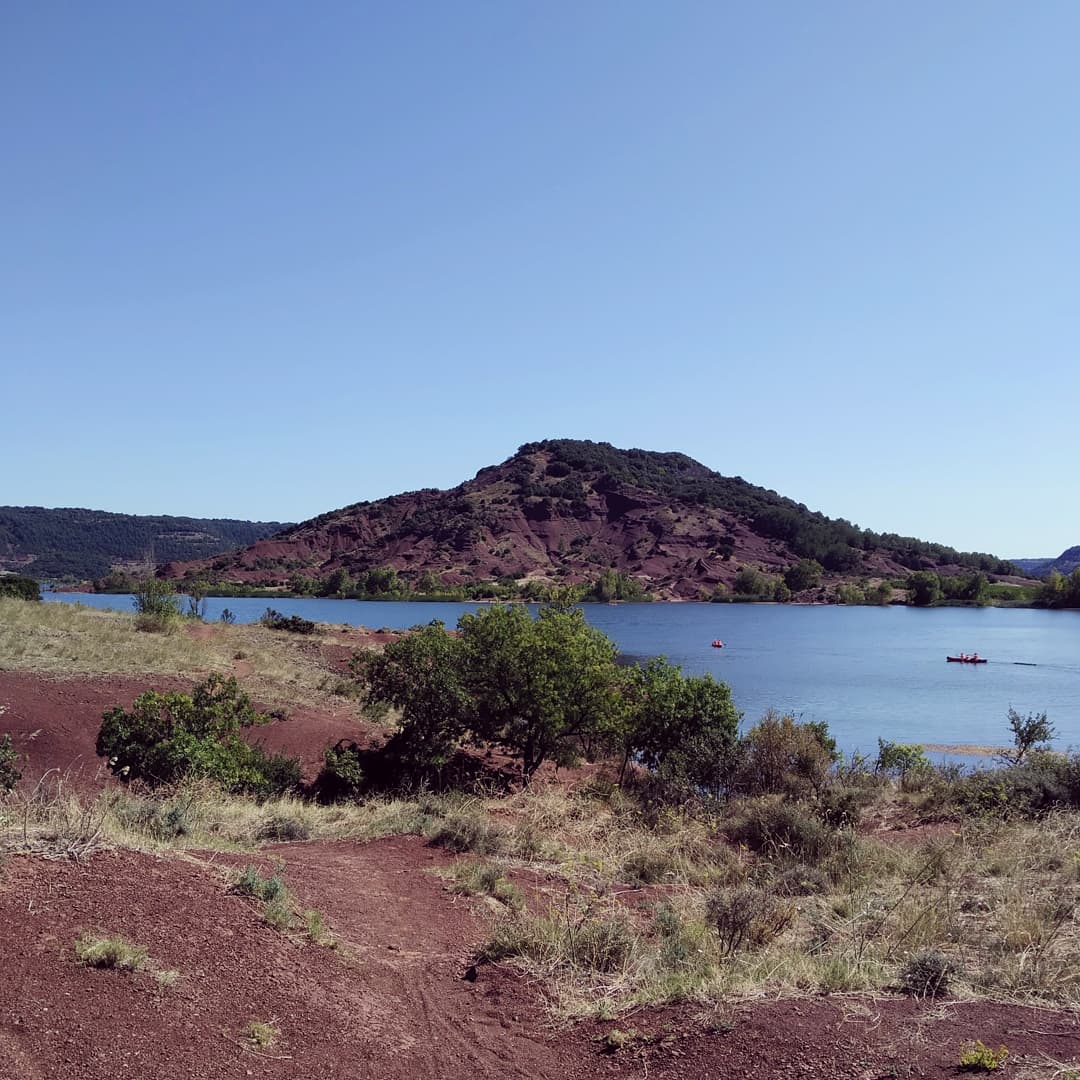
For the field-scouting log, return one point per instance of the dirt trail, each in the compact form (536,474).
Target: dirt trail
(390,1003)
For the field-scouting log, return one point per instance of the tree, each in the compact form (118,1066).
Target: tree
(420,674)
(1030,732)
(197,591)
(339,583)
(805,574)
(782,755)
(924,587)
(748,582)
(543,688)
(684,728)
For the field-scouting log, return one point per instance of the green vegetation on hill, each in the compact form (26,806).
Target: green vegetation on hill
(82,544)
(833,542)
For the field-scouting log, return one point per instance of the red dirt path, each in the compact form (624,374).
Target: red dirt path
(391,1002)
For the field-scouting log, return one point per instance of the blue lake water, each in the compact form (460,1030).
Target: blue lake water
(865,671)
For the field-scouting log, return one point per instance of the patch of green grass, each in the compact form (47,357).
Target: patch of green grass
(262,1034)
(978,1057)
(101,951)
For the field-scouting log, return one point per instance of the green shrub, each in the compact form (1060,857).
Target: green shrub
(157,605)
(783,829)
(251,883)
(594,941)
(978,1057)
(9,772)
(19,587)
(274,620)
(168,736)
(781,755)
(907,761)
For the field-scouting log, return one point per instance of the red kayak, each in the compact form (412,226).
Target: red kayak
(966,659)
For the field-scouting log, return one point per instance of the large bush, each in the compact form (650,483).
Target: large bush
(168,736)
(781,755)
(22,588)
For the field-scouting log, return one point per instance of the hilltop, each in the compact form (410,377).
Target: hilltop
(1065,563)
(75,543)
(562,511)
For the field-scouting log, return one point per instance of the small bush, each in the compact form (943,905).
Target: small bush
(274,620)
(978,1057)
(602,944)
(109,952)
(463,831)
(280,827)
(9,773)
(927,974)
(907,761)
(262,1035)
(800,881)
(252,883)
(746,917)
(594,942)
(784,829)
(782,756)
(157,606)
(316,929)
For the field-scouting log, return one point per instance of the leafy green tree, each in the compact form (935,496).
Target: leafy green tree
(614,585)
(420,674)
(924,588)
(805,574)
(1031,732)
(339,583)
(901,759)
(428,583)
(543,688)
(748,582)
(682,727)
(197,591)
(168,736)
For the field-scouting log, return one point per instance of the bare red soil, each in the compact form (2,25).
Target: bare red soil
(391,1001)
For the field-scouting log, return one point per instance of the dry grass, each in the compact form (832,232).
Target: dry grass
(69,640)
(54,821)
(998,902)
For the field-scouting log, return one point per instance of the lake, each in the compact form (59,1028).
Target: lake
(866,671)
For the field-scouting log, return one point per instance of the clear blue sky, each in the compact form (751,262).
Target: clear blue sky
(264,259)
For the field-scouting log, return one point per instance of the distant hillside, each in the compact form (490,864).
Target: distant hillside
(563,511)
(83,544)
(1065,563)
